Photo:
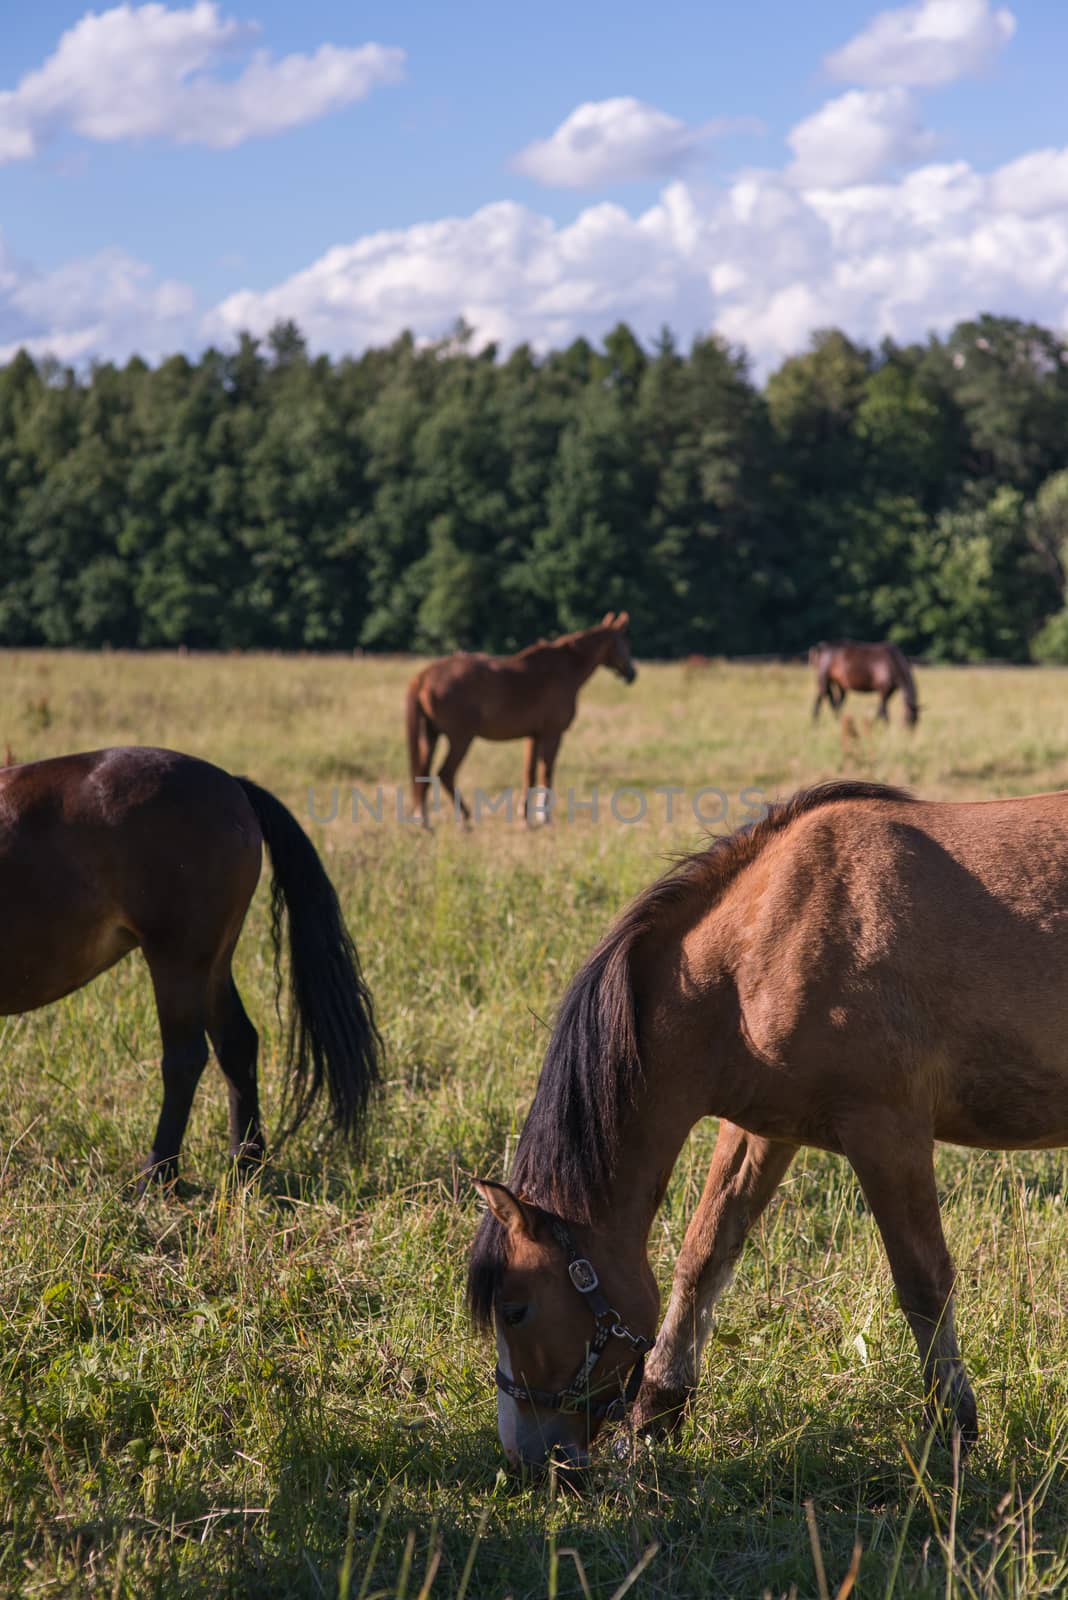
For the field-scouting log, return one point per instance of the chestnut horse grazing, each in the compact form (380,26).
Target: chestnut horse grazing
(860,972)
(868,668)
(529,696)
(103,852)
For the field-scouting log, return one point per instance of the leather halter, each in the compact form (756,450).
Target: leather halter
(608,1325)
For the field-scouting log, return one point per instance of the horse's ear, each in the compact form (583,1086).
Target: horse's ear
(608,618)
(507,1207)
(622,620)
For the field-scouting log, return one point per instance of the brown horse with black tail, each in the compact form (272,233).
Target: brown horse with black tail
(859,972)
(869,668)
(105,852)
(532,696)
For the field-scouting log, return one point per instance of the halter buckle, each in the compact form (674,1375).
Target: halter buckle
(583,1276)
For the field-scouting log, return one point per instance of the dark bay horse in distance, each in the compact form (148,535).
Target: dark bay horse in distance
(529,696)
(104,852)
(868,668)
(859,972)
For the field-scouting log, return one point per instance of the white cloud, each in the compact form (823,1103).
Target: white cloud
(762,260)
(510,272)
(105,305)
(1033,184)
(857,137)
(932,42)
(139,72)
(612,141)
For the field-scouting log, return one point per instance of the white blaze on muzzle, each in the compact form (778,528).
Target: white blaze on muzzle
(507,1410)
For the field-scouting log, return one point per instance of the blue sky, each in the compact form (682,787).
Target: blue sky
(761,169)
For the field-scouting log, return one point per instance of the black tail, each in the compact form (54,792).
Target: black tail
(414,718)
(332,1033)
(908,686)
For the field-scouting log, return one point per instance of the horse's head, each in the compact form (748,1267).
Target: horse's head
(570,1342)
(617,645)
(912,713)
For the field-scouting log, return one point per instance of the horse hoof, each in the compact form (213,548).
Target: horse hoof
(248,1170)
(161,1172)
(961,1424)
(249,1159)
(659,1412)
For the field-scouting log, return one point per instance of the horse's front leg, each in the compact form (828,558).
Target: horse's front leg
(530,776)
(459,744)
(745,1173)
(180,1005)
(548,746)
(893,1157)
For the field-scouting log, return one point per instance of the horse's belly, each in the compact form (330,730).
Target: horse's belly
(43,963)
(53,940)
(1004,1090)
(508,728)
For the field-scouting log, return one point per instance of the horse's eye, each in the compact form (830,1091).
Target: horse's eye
(513,1315)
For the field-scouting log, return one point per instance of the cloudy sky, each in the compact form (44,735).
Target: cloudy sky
(172,174)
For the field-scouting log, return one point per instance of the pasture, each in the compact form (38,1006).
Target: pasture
(273,1391)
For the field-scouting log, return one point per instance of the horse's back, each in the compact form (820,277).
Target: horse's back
(863,666)
(451,689)
(492,697)
(113,796)
(463,669)
(895,950)
(860,874)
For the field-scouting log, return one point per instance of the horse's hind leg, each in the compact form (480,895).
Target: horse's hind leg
(832,692)
(894,1161)
(547,751)
(745,1173)
(421,784)
(459,744)
(236,1044)
(822,693)
(181,994)
(530,777)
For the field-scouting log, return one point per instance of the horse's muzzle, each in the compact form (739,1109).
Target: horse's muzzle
(569,1461)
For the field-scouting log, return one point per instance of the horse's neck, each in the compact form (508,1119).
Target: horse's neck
(671,1094)
(658,1125)
(583,653)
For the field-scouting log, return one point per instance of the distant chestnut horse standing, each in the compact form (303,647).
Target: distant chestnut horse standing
(860,972)
(103,852)
(529,696)
(868,668)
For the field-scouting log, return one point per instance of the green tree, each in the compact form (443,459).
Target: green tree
(1011,383)
(591,554)
(977,585)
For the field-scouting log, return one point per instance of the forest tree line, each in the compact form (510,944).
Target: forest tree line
(438,496)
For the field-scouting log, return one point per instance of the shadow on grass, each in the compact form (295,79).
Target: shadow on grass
(386,1512)
(362,1507)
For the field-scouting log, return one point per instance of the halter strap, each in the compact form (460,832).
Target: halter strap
(607,1325)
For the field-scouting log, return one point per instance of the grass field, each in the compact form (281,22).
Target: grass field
(273,1391)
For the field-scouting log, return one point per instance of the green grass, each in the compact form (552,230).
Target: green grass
(274,1392)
